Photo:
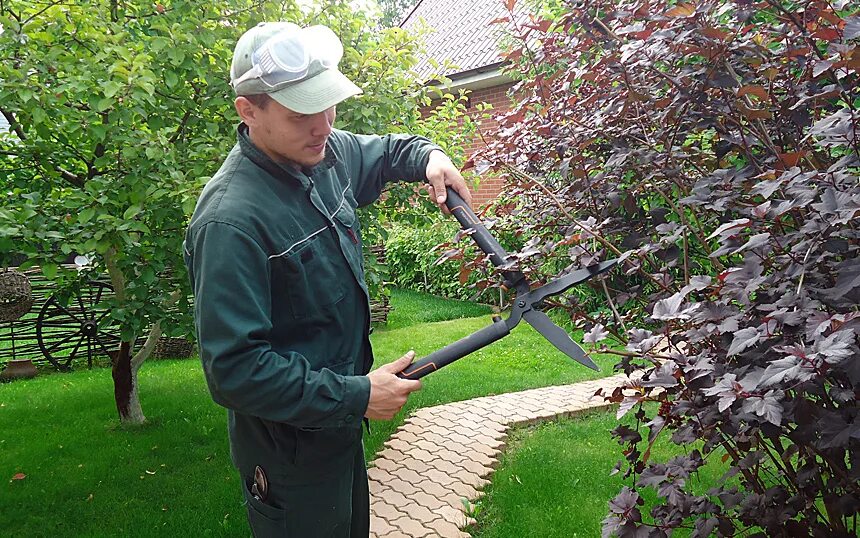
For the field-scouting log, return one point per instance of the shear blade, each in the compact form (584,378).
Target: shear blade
(581,275)
(558,337)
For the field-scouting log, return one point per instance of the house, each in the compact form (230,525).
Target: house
(462,34)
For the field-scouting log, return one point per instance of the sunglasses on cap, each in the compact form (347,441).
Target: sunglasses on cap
(288,56)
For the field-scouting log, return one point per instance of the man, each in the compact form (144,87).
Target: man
(281,306)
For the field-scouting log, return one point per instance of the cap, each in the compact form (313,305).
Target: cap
(314,84)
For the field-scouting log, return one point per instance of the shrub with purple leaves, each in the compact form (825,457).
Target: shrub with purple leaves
(714,148)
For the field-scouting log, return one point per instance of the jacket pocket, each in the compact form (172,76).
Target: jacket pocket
(309,278)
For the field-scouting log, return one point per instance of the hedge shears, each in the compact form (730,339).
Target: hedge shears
(525,305)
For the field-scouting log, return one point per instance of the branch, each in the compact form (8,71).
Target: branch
(154,334)
(599,238)
(13,124)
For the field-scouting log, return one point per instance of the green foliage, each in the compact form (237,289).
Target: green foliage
(413,257)
(117,114)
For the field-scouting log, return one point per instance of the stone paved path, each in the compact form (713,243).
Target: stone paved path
(444,454)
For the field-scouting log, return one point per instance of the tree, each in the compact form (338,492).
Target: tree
(119,113)
(393,11)
(713,148)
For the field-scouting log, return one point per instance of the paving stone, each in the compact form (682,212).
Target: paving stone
(454,456)
(475,468)
(410,475)
(408,436)
(425,499)
(419,466)
(420,454)
(394,498)
(380,527)
(396,533)
(431,488)
(439,477)
(447,529)
(455,516)
(385,511)
(387,465)
(412,527)
(447,466)
(421,513)
(427,445)
(402,486)
(376,488)
(379,474)
(462,490)
(390,453)
(397,444)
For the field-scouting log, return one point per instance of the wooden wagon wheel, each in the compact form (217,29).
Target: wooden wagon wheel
(82,328)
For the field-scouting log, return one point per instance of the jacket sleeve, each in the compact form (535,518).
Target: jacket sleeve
(232,302)
(376,160)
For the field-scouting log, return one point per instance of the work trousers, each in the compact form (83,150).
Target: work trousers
(333,507)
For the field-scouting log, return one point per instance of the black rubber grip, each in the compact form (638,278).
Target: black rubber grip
(457,350)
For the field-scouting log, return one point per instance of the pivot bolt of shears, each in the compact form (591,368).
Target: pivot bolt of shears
(521,304)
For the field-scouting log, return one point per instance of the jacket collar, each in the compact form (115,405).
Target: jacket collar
(262,160)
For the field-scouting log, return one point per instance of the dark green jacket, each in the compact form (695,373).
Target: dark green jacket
(281,306)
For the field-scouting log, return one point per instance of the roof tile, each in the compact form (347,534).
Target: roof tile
(461,34)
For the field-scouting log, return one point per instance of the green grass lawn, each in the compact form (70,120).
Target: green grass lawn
(554,480)
(87,476)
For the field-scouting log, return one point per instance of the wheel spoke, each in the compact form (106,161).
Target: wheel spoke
(67,312)
(63,341)
(75,351)
(80,298)
(99,295)
(103,316)
(66,324)
(106,350)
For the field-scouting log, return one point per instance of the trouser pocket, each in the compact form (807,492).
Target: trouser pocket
(334,506)
(266,521)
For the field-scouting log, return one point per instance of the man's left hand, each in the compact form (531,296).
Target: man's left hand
(442,173)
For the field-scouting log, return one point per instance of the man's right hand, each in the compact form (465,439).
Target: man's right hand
(388,393)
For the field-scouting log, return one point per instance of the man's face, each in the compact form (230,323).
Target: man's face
(288,136)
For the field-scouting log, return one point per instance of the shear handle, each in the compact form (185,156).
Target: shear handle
(457,350)
(468,220)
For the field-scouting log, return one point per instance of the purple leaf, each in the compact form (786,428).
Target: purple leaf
(670,308)
(726,389)
(664,376)
(596,334)
(835,348)
(767,406)
(754,242)
(852,28)
(727,227)
(786,370)
(743,339)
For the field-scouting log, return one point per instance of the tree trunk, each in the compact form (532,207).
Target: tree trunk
(125,387)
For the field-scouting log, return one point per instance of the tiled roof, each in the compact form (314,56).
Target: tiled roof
(460,32)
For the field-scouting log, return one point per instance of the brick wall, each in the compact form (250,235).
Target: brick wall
(497,96)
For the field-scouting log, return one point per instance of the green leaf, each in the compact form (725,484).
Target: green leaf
(85,215)
(131,212)
(171,79)
(104,104)
(111,87)
(49,270)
